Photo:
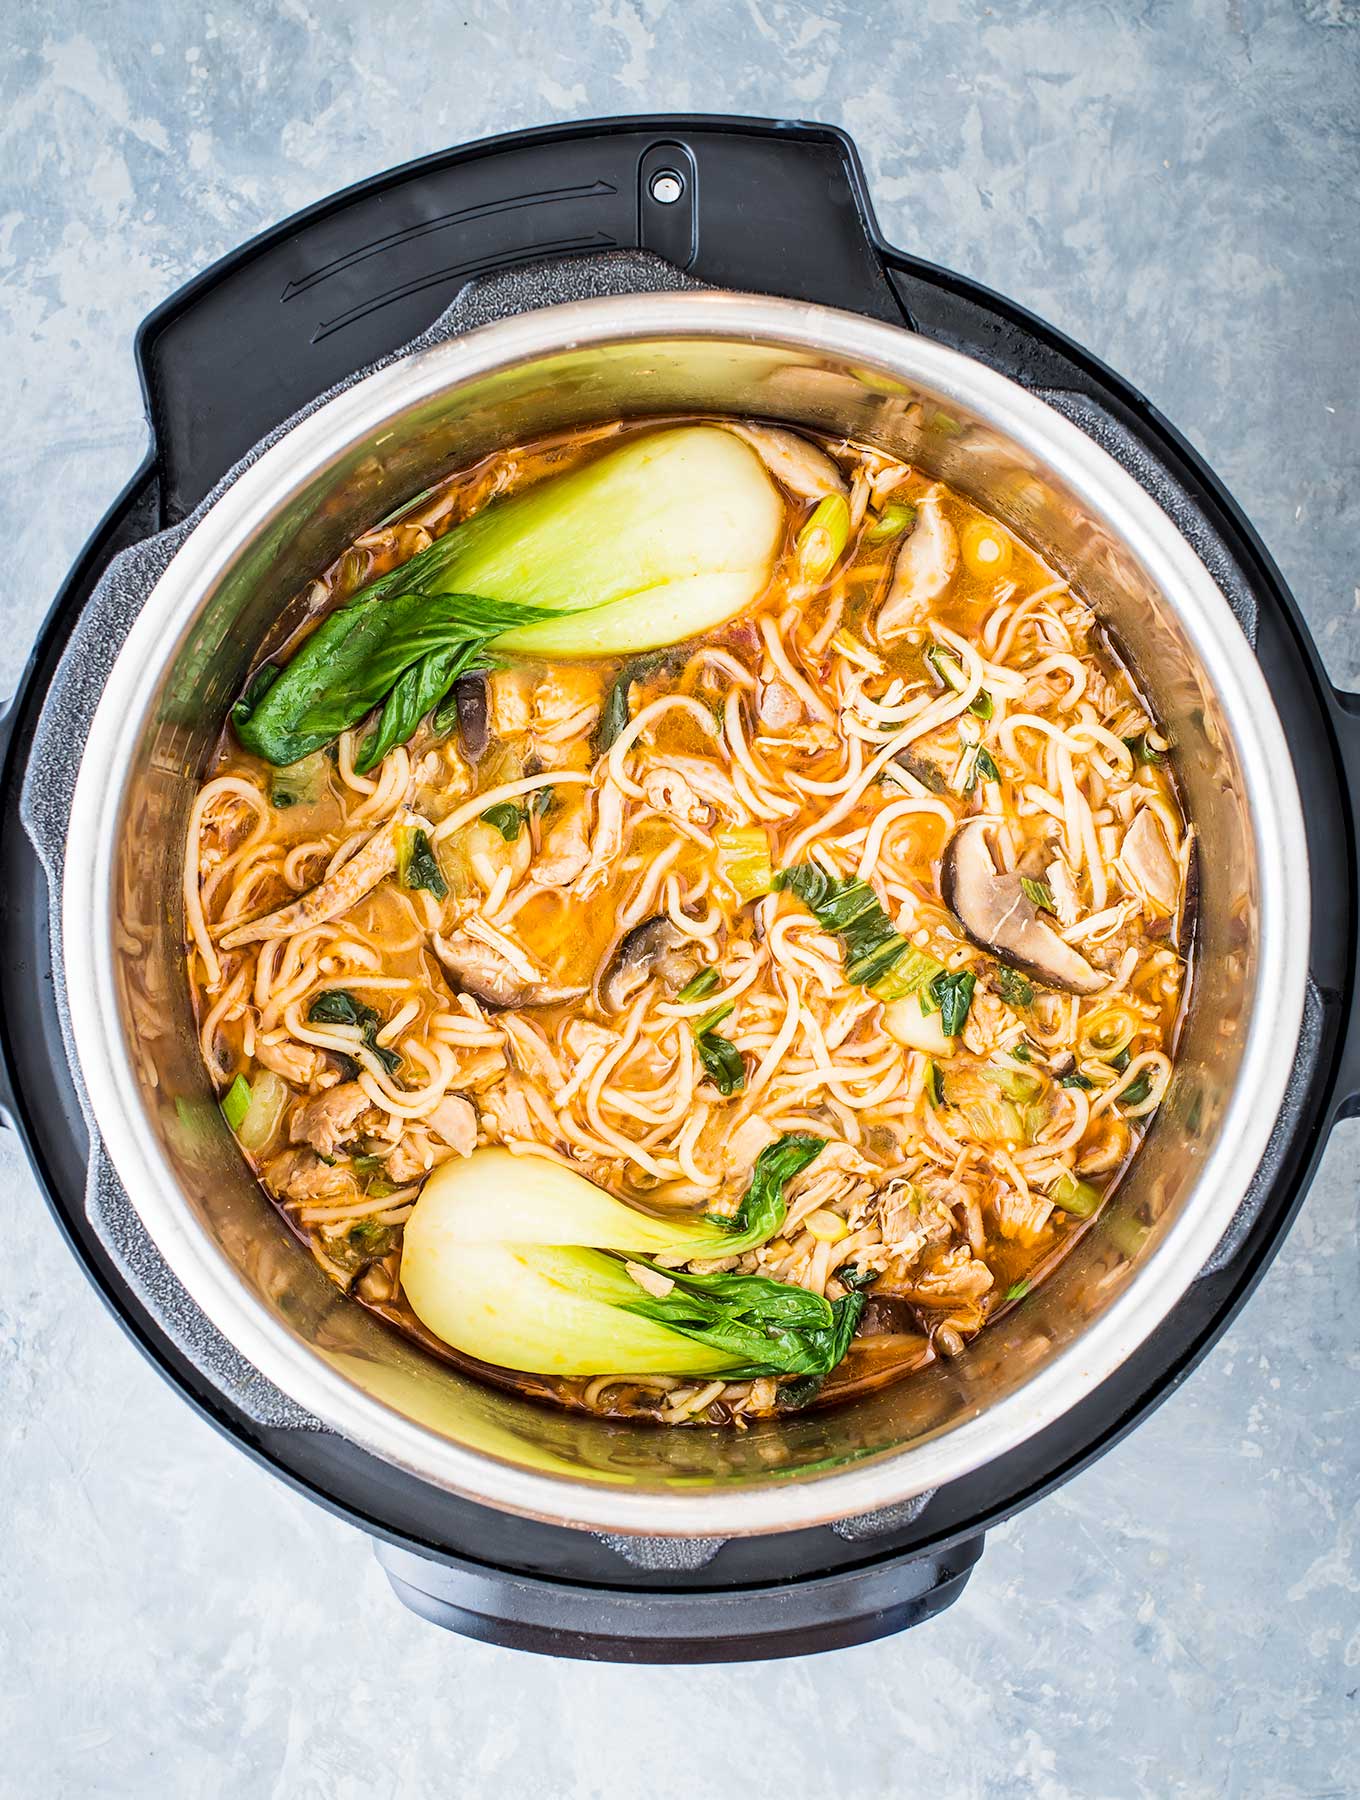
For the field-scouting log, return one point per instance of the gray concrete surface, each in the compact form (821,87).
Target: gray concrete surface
(1179,187)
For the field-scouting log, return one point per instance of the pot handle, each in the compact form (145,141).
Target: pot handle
(1346,717)
(8,714)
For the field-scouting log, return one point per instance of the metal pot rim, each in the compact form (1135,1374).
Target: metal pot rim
(1282,946)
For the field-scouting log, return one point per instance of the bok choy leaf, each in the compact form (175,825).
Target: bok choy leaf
(659,540)
(525,1264)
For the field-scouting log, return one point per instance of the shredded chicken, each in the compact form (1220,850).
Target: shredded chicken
(369,865)
(302,1175)
(329,1121)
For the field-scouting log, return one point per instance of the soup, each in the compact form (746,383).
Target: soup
(716,961)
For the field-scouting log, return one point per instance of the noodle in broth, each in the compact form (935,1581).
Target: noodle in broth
(608,925)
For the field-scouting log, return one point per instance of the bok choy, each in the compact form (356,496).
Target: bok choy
(526,1265)
(670,534)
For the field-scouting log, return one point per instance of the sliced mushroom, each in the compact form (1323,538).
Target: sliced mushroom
(1147,864)
(793,460)
(481,970)
(999,916)
(656,947)
(474,727)
(929,774)
(337,893)
(925,567)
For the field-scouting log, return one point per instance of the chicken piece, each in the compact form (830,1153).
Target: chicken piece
(910,1219)
(369,865)
(672,795)
(566,848)
(606,843)
(1147,866)
(566,708)
(779,708)
(925,567)
(302,1175)
(742,1146)
(415,1154)
(988,1023)
(793,460)
(510,703)
(1019,1219)
(330,1120)
(705,781)
(298,1063)
(531,1052)
(1062,884)
(489,975)
(945,1277)
(454,1121)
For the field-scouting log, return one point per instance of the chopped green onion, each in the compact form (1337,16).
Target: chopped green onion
(1038,893)
(744,860)
(934,1084)
(507,819)
(236,1102)
(851,1277)
(895,518)
(541,800)
(1076,1197)
(281,798)
(699,985)
(1017,1290)
(1075,1080)
(947,666)
(823,539)
(1120,1060)
(1013,987)
(715,1018)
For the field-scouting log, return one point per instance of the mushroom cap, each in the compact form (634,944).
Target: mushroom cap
(997,915)
(642,952)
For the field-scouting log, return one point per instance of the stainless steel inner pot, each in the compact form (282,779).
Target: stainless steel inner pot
(350,463)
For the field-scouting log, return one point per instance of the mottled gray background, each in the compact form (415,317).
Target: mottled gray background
(1177,186)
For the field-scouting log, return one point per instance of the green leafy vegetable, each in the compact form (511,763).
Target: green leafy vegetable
(540,801)
(1022,1053)
(698,986)
(934,1084)
(1075,1080)
(236,1102)
(983,706)
(722,1062)
(418,866)
(985,766)
(1038,893)
(1138,1090)
(399,650)
(762,1208)
(654,542)
(1013,987)
(855,1278)
(337,1006)
(1142,751)
(851,909)
(507,818)
(527,1265)
(953,994)
(1120,1060)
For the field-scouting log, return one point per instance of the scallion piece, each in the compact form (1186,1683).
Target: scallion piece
(236,1102)
(699,985)
(822,540)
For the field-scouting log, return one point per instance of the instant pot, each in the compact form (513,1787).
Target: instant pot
(321,376)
